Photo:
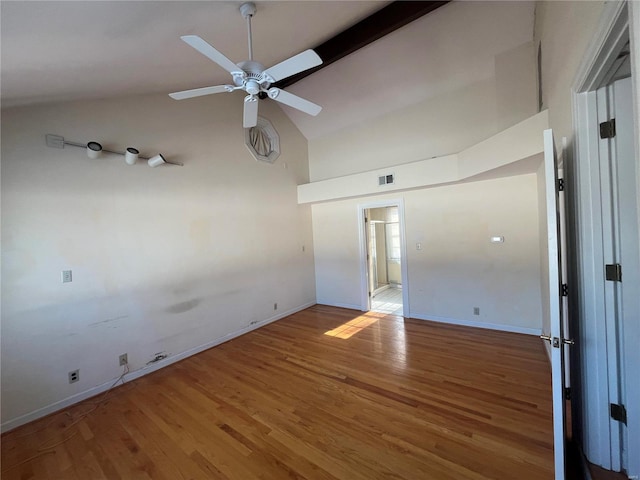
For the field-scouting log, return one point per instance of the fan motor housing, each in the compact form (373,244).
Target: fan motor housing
(253,77)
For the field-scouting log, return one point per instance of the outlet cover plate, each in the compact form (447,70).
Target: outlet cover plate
(67,276)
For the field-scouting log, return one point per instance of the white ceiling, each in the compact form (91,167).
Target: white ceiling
(56,51)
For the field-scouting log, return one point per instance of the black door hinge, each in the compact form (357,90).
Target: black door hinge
(564,290)
(608,129)
(619,413)
(561,184)
(567,393)
(613,272)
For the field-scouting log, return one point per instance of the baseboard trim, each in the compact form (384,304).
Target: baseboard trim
(487,326)
(147,369)
(340,305)
(380,290)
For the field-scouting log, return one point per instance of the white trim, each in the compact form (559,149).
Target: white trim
(339,305)
(381,289)
(475,324)
(599,57)
(365,301)
(147,369)
(632,355)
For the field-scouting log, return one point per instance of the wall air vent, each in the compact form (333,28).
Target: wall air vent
(385,180)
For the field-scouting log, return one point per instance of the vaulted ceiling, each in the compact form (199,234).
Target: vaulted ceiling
(56,51)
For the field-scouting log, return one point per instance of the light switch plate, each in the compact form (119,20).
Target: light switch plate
(66,276)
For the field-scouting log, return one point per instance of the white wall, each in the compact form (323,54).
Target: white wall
(563,30)
(164,260)
(436,127)
(457,268)
(441,125)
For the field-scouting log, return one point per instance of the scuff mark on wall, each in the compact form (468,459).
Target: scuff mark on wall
(108,320)
(157,357)
(183,306)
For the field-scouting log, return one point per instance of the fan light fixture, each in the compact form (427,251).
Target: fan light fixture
(252,77)
(94,150)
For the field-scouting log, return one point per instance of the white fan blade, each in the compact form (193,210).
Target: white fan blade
(198,92)
(294,101)
(208,51)
(250,118)
(296,64)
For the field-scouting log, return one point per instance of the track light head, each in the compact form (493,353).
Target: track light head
(131,155)
(94,150)
(156,160)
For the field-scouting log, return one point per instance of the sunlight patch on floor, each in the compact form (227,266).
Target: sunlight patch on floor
(347,330)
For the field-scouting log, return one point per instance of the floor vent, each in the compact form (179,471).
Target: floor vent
(385,179)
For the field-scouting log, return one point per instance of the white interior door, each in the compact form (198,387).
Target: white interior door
(556,336)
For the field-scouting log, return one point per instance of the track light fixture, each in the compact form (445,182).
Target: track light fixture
(156,160)
(94,150)
(159,159)
(131,155)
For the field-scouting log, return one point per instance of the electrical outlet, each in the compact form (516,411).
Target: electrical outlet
(66,276)
(275,306)
(74,376)
(123,360)
(476,310)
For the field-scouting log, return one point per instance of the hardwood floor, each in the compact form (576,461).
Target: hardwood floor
(326,393)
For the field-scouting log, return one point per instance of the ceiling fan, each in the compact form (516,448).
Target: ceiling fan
(252,77)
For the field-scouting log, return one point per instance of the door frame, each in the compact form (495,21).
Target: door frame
(365,300)
(599,439)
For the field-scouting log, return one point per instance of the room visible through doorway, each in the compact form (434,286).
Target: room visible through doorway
(384,255)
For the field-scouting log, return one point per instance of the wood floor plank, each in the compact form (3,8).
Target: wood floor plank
(325,394)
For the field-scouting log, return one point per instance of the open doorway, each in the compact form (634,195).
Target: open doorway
(607,261)
(383,260)
(385,279)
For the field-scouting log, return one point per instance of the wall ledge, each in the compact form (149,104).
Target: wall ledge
(516,143)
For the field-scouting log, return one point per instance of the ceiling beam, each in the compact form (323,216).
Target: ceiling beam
(381,23)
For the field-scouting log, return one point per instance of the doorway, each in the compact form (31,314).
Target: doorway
(383,260)
(385,279)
